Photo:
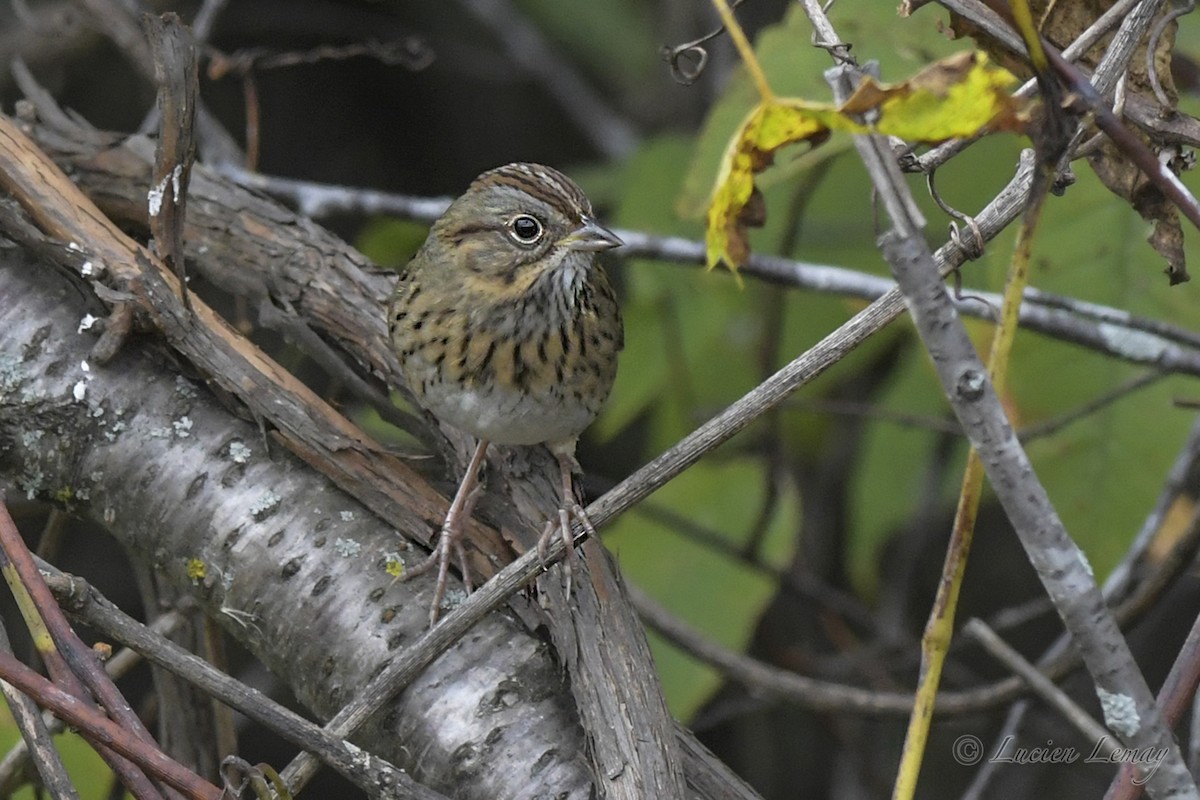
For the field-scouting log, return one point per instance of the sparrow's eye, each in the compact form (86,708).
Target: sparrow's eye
(526,229)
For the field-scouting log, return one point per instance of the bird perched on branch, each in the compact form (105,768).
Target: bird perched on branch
(507,329)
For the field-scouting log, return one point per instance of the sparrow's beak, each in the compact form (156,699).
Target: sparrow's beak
(591,236)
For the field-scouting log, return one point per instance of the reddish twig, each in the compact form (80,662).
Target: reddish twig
(70,662)
(1174,698)
(99,728)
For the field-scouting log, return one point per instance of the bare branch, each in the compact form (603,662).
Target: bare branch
(36,737)
(1128,705)
(175,473)
(123,734)
(1110,331)
(1045,688)
(88,605)
(175,71)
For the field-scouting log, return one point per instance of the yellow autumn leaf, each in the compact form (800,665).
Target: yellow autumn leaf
(736,203)
(954,97)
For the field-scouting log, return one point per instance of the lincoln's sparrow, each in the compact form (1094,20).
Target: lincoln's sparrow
(507,329)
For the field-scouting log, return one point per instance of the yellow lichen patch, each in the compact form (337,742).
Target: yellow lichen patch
(196,569)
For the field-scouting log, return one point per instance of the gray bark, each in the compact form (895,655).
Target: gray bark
(293,567)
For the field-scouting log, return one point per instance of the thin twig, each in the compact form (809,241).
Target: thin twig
(36,737)
(1026,434)
(77,656)
(1177,480)
(117,22)
(16,759)
(1041,685)
(990,767)
(939,629)
(410,52)
(98,727)
(1055,424)
(175,70)
(765,680)
(1177,694)
(71,665)
(978,14)
(86,603)
(1111,331)
(1058,561)
(206,19)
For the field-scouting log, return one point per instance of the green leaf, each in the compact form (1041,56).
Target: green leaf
(88,772)
(612,39)
(697,583)
(391,242)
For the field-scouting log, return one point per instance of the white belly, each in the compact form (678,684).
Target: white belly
(507,417)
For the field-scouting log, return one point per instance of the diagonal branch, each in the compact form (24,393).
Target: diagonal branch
(325,440)
(268,542)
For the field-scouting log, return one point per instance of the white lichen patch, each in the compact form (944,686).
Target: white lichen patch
(183,427)
(1120,713)
(87,322)
(116,428)
(1087,565)
(239,453)
(87,269)
(154,197)
(347,548)
(30,438)
(1134,345)
(176,174)
(159,432)
(31,481)
(265,505)
(10,373)
(79,390)
(347,516)
(184,387)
